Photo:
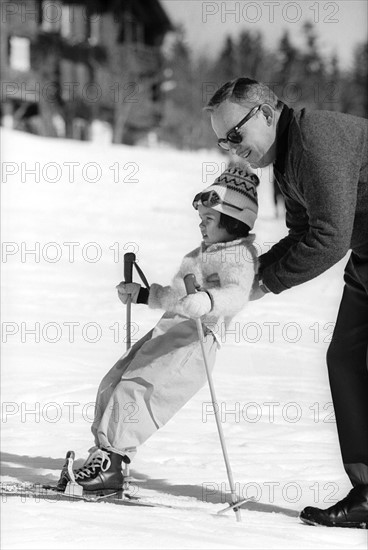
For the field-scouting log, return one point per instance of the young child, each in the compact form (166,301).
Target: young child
(164,369)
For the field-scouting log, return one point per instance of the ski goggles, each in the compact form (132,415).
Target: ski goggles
(211,199)
(233,135)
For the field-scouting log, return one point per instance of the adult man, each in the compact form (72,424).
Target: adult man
(320,163)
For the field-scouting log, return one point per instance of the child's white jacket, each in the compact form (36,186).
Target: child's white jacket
(226,270)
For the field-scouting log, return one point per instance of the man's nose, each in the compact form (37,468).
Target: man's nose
(233,148)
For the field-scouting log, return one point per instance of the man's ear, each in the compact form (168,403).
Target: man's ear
(268,113)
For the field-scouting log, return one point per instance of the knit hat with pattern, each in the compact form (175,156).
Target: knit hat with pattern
(238,195)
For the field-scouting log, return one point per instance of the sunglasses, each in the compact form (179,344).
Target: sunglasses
(233,135)
(211,199)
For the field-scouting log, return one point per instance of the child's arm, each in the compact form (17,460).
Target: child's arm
(158,296)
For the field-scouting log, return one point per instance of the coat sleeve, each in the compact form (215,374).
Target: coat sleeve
(326,176)
(296,220)
(236,281)
(167,297)
(162,297)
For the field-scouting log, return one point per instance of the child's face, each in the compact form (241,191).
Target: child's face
(209,226)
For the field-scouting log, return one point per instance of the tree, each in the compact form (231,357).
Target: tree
(180,108)
(226,67)
(288,59)
(360,80)
(251,55)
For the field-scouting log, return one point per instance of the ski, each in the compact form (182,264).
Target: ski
(28,491)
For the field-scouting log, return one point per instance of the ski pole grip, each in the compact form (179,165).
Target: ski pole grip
(129,259)
(190,283)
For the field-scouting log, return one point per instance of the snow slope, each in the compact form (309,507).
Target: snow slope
(63,328)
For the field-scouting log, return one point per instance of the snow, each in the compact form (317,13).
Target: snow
(63,328)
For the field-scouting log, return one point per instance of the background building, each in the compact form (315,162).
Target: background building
(67,64)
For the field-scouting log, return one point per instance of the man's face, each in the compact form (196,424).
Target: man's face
(259,133)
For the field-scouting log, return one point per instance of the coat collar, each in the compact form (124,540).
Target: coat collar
(282,135)
(221,246)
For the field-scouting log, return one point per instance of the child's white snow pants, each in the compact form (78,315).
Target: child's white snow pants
(151,383)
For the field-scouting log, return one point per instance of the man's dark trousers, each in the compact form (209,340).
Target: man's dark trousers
(347,360)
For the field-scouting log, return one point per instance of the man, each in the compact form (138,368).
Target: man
(320,163)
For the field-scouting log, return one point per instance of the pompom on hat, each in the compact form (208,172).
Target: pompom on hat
(234,193)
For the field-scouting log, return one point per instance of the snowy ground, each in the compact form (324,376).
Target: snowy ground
(63,327)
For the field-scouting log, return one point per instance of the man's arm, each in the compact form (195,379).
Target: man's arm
(297,223)
(327,181)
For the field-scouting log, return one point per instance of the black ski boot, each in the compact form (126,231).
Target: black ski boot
(101,471)
(351,511)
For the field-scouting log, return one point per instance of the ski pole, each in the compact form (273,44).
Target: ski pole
(190,285)
(129,259)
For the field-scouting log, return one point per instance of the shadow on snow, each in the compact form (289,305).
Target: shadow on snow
(26,469)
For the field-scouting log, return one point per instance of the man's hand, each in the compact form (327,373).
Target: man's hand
(196,305)
(257,291)
(128,289)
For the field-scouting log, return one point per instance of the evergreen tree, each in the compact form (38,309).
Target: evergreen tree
(251,53)
(184,125)
(315,91)
(288,59)
(360,80)
(334,86)
(226,67)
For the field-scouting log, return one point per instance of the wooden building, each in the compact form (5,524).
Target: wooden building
(68,63)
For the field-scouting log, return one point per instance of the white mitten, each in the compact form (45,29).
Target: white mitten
(196,305)
(128,289)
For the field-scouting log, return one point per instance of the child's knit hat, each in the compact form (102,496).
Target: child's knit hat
(237,195)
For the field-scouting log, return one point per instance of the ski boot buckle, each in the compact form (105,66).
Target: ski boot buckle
(73,489)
